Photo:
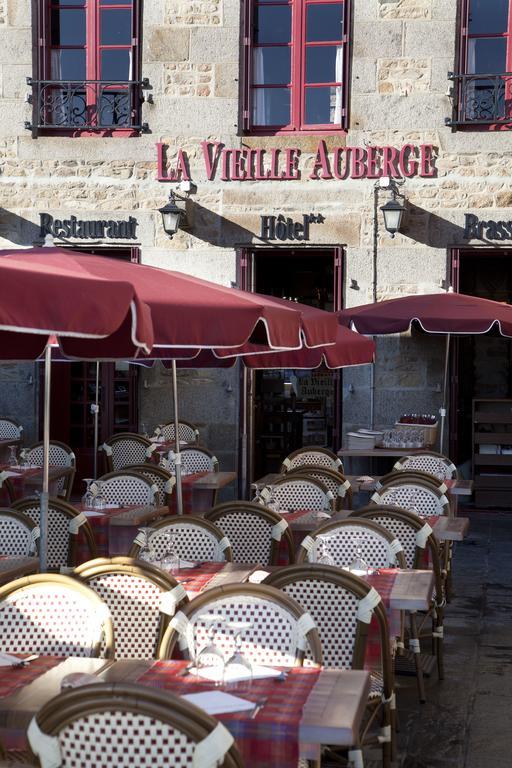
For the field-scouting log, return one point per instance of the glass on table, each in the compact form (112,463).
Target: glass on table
(170,561)
(147,551)
(238,667)
(88,497)
(98,497)
(323,552)
(358,565)
(13,458)
(23,457)
(210,658)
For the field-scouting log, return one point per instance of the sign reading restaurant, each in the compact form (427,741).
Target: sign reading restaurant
(87,229)
(260,164)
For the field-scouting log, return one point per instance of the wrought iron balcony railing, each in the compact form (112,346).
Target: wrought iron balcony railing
(87,105)
(481,99)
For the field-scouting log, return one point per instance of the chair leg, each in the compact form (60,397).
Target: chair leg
(439,640)
(414,645)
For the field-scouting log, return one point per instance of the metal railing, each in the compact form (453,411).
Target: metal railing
(481,99)
(87,105)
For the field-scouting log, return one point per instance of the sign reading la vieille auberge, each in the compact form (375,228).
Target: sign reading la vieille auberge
(260,164)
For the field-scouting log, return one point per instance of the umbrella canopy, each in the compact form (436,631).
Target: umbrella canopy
(450,312)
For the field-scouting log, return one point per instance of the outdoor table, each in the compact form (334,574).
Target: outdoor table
(14,566)
(209,575)
(310,707)
(115,528)
(26,480)
(199,491)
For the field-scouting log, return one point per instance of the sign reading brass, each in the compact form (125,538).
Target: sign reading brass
(476,229)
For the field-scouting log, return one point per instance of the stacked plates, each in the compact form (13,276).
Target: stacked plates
(363,439)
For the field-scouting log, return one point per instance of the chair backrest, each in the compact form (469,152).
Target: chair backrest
(379,549)
(7,487)
(254,532)
(195,539)
(159,477)
(19,535)
(429,461)
(10,430)
(124,449)
(279,630)
(187,432)
(415,536)
(342,606)
(312,454)
(64,524)
(54,615)
(194,459)
(60,455)
(125,725)
(411,475)
(293,493)
(415,495)
(334,481)
(141,599)
(127,488)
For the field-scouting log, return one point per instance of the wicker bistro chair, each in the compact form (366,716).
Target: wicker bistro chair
(312,455)
(415,495)
(334,481)
(194,459)
(54,615)
(127,488)
(435,463)
(279,632)
(255,532)
(124,449)
(10,430)
(187,432)
(8,487)
(124,725)
(342,606)
(417,540)
(61,455)
(141,599)
(195,539)
(159,477)
(294,493)
(64,524)
(19,535)
(412,475)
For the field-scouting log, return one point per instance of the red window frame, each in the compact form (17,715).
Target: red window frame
(297,84)
(93,50)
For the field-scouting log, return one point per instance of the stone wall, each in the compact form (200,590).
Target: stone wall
(401,53)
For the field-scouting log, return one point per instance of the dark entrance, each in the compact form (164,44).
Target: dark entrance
(482,376)
(291,407)
(74,391)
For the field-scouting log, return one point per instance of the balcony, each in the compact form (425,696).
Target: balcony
(481,99)
(87,105)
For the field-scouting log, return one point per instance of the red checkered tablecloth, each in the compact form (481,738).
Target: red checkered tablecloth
(195,580)
(187,490)
(17,480)
(12,678)
(383,581)
(100,525)
(271,738)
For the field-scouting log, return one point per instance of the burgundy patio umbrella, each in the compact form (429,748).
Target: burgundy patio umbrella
(443,313)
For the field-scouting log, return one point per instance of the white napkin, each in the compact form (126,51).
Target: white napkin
(218,702)
(7,660)
(187,564)
(235,674)
(258,576)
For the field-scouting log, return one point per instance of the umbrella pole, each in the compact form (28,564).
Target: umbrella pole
(177,460)
(96,411)
(442,410)
(43,522)
(244,433)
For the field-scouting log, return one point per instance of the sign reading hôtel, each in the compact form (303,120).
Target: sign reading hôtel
(259,164)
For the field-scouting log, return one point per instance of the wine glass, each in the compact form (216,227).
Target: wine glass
(13,459)
(170,559)
(147,551)
(210,657)
(23,457)
(238,666)
(323,554)
(359,566)
(144,430)
(98,499)
(88,497)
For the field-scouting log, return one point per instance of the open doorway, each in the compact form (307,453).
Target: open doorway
(483,378)
(294,407)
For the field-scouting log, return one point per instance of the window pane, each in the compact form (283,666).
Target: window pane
(324,64)
(68,27)
(116,2)
(271,65)
(487,55)
(68,64)
(271,106)
(323,106)
(115,65)
(116,27)
(114,110)
(486,16)
(69,2)
(272,24)
(324,22)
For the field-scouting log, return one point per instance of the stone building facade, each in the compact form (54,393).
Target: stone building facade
(192,55)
